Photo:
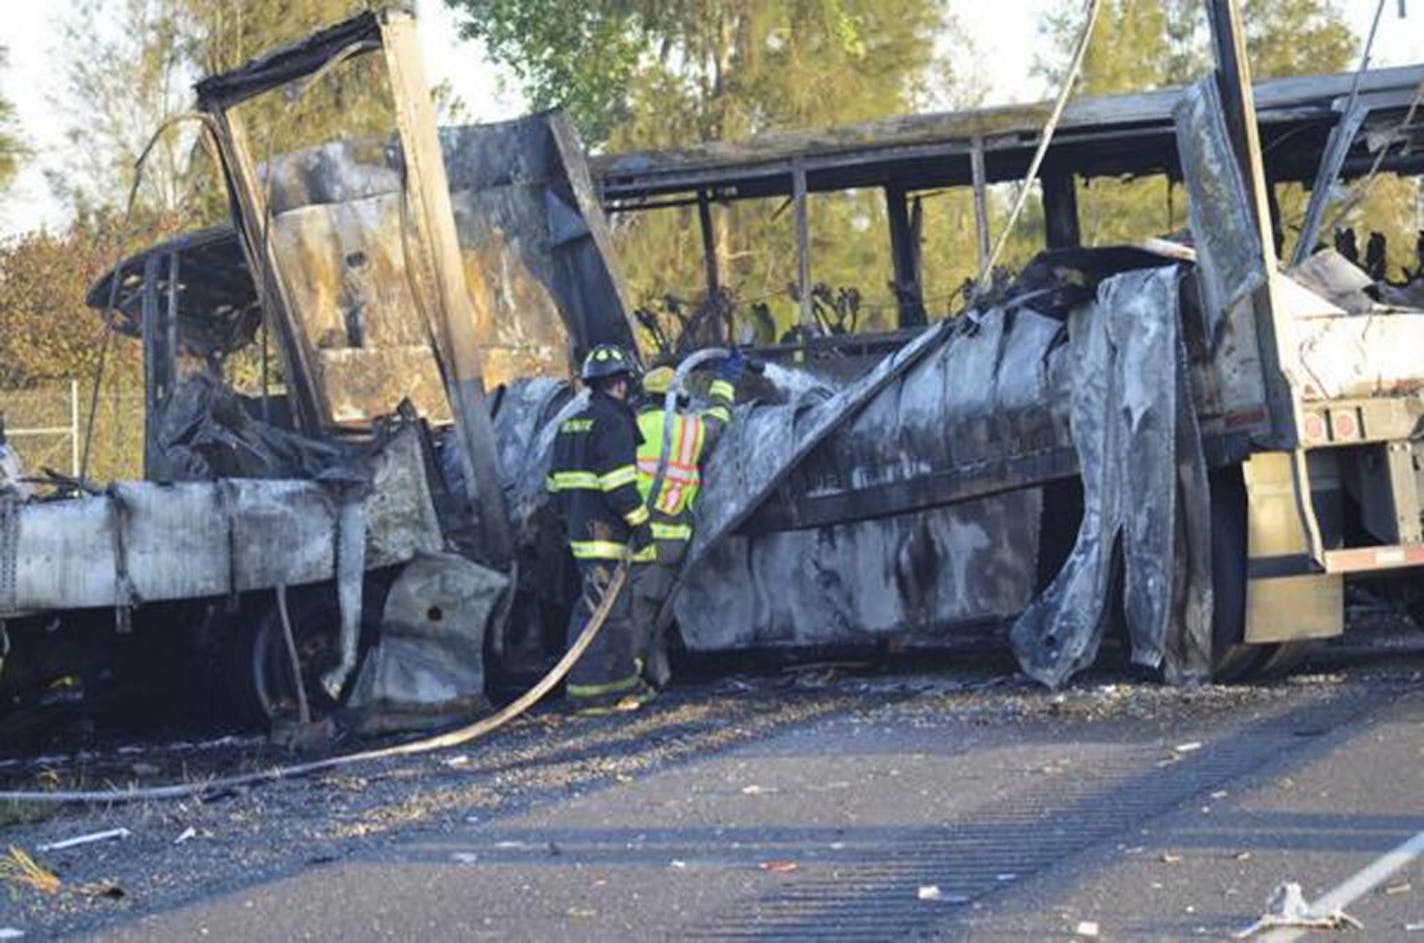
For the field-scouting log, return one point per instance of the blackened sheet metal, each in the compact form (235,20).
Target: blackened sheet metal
(1341,137)
(1128,370)
(217,301)
(1230,261)
(524,425)
(207,432)
(289,62)
(919,576)
(427,669)
(146,542)
(981,393)
(520,227)
(1187,657)
(748,466)
(955,426)
(1335,278)
(974,396)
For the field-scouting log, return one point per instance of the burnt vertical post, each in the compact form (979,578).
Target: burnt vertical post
(1273,205)
(154,379)
(803,245)
(904,256)
(1233,76)
(170,329)
(1238,105)
(460,319)
(1060,209)
(249,197)
(709,243)
(981,199)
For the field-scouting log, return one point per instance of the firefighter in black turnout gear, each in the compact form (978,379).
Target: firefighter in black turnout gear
(594,479)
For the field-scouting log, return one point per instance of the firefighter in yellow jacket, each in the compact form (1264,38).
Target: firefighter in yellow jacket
(691,437)
(594,480)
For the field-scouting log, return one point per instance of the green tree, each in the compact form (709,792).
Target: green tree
(12,148)
(1297,37)
(639,74)
(131,78)
(49,336)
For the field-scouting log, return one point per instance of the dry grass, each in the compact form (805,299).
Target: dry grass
(18,868)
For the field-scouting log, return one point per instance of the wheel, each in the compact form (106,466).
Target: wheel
(259,667)
(1284,657)
(1232,659)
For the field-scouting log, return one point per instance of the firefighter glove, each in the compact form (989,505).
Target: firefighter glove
(733,367)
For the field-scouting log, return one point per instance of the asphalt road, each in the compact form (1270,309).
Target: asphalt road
(914,820)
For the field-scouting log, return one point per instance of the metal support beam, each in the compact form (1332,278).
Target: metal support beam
(1239,106)
(1060,209)
(709,243)
(249,196)
(1273,207)
(905,256)
(981,199)
(152,367)
(616,327)
(803,246)
(1239,110)
(160,351)
(456,313)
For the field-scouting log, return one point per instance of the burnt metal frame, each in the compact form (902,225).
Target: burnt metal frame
(903,155)
(454,315)
(160,354)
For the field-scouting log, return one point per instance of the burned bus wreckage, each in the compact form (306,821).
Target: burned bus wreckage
(1185,440)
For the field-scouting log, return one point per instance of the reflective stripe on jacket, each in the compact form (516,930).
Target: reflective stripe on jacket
(682,477)
(693,435)
(594,476)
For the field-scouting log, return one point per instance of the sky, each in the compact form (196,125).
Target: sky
(1004,32)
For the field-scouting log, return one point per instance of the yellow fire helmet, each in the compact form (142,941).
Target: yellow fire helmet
(657,381)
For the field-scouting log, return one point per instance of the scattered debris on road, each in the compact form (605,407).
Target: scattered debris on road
(1287,907)
(779,866)
(110,834)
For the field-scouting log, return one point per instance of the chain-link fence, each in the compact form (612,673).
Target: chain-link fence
(47,426)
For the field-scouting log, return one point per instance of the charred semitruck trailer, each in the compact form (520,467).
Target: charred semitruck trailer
(1187,439)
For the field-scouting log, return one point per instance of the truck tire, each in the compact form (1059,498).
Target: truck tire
(1232,659)
(259,669)
(1285,657)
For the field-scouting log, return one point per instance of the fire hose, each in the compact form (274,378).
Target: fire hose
(442,741)
(452,738)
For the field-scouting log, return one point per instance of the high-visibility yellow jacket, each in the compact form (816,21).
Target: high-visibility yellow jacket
(693,435)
